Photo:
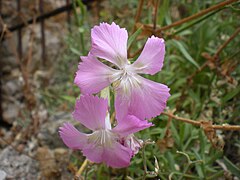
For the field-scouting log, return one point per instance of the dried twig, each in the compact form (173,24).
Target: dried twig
(157,31)
(155,14)
(201,123)
(226,43)
(196,123)
(138,13)
(209,129)
(199,14)
(211,61)
(24,66)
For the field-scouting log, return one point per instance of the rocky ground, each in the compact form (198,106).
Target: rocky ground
(24,153)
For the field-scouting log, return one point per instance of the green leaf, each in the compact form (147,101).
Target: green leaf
(231,167)
(69,98)
(231,94)
(174,97)
(75,51)
(216,175)
(164,6)
(199,167)
(156,131)
(171,161)
(134,36)
(175,135)
(196,22)
(185,53)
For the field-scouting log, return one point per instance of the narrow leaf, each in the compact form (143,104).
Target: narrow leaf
(231,167)
(185,53)
(231,94)
(75,51)
(69,98)
(134,36)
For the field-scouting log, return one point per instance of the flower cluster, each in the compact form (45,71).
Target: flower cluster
(137,99)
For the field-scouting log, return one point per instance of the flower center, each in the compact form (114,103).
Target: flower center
(129,80)
(102,137)
(125,80)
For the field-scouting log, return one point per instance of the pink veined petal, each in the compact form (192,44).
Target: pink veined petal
(121,105)
(110,42)
(92,75)
(133,143)
(150,100)
(93,153)
(151,59)
(72,137)
(130,124)
(118,156)
(91,111)
(144,102)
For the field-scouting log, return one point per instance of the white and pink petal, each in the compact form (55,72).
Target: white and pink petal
(91,111)
(92,75)
(121,104)
(117,156)
(129,125)
(109,42)
(72,137)
(145,102)
(93,152)
(150,100)
(133,143)
(151,59)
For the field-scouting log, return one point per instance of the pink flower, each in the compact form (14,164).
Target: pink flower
(135,95)
(132,142)
(104,143)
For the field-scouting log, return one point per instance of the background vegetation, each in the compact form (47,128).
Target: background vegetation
(201,68)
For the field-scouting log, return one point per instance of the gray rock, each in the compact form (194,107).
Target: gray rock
(12,87)
(10,112)
(3,175)
(49,135)
(18,166)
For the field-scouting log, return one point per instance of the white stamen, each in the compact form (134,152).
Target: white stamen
(102,137)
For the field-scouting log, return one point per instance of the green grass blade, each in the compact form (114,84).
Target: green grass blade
(185,53)
(134,36)
(231,167)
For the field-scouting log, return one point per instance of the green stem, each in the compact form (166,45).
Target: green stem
(80,21)
(144,162)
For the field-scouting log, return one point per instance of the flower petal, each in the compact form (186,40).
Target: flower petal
(93,153)
(91,111)
(72,137)
(92,75)
(118,156)
(133,143)
(121,105)
(151,59)
(131,124)
(110,42)
(145,102)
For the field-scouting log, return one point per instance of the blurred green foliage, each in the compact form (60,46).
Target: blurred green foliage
(209,95)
